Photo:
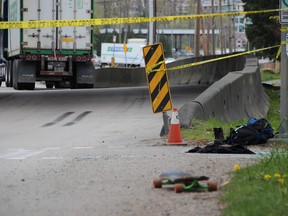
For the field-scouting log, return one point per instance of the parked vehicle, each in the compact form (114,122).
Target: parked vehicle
(133,56)
(57,55)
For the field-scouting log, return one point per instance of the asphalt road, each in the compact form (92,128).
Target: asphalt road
(95,152)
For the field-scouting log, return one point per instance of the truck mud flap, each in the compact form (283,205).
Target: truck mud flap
(26,71)
(24,75)
(85,73)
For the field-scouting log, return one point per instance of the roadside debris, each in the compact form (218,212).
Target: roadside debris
(221,148)
(256,131)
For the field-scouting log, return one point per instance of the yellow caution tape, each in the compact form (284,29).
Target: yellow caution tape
(114,21)
(274,18)
(279,52)
(223,57)
(149,70)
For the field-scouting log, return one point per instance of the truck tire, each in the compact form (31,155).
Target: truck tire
(49,85)
(16,85)
(8,74)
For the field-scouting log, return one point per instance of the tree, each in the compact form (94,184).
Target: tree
(263,31)
(166,45)
(102,38)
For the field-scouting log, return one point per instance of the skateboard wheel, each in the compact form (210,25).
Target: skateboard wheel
(178,188)
(157,183)
(212,186)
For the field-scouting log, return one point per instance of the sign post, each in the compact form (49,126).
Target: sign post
(113,58)
(125,51)
(283,129)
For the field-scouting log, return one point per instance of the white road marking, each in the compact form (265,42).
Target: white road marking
(132,156)
(116,147)
(51,158)
(52,148)
(90,157)
(20,154)
(83,147)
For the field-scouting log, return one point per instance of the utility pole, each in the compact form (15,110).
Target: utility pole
(233,27)
(152,25)
(283,129)
(229,29)
(172,23)
(213,28)
(221,27)
(197,33)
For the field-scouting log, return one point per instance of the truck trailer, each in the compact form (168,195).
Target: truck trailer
(58,56)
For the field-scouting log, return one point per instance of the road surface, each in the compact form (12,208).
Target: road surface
(96,152)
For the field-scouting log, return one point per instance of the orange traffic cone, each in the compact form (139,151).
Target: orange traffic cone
(174,131)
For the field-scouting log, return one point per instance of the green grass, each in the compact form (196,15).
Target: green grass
(273,115)
(261,189)
(267,75)
(203,130)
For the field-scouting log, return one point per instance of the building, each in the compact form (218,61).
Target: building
(234,26)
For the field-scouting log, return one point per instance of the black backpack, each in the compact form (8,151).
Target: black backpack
(257,131)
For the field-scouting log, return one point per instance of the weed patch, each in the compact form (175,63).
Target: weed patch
(261,189)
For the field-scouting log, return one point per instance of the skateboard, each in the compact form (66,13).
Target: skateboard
(184,182)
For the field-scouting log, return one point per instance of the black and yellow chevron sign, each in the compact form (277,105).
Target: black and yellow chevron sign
(157,78)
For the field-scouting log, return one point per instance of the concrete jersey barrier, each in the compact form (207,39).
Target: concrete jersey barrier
(235,90)
(238,95)
(205,74)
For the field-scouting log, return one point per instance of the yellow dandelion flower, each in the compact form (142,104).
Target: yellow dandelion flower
(277,175)
(267,177)
(237,167)
(281,180)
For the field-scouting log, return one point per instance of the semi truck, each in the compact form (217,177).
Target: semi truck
(58,56)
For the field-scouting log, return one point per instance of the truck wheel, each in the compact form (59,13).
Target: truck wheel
(16,85)
(49,85)
(14,72)
(8,75)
